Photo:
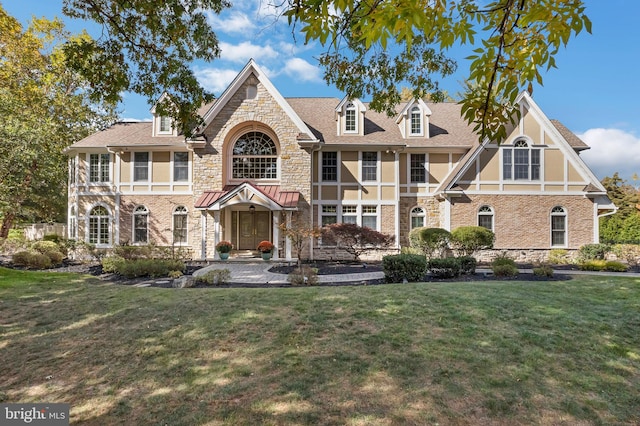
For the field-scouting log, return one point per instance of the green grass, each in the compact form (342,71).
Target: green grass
(499,353)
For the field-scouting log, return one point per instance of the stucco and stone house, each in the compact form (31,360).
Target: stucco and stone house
(261,160)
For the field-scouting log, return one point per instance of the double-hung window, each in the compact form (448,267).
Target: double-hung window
(329,214)
(165,124)
(329,166)
(180,225)
(369,166)
(350,214)
(180,166)
(350,122)
(521,162)
(141,166)
(558,227)
(99,168)
(416,121)
(141,225)
(418,217)
(370,217)
(99,232)
(485,217)
(418,170)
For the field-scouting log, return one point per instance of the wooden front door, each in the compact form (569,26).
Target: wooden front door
(252,228)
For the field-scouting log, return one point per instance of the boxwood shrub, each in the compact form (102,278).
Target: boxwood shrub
(399,267)
(448,267)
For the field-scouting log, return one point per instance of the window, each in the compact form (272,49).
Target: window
(255,156)
(140,166)
(418,170)
(329,215)
(416,121)
(558,227)
(350,118)
(141,225)
(99,226)
(485,217)
(72,224)
(369,166)
(180,225)
(180,166)
(99,168)
(165,124)
(350,214)
(330,166)
(521,162)
(418,217)
(72,171)
(370,216)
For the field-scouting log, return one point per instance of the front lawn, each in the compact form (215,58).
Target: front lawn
(497,353)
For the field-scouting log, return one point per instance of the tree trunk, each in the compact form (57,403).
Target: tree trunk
(7,224)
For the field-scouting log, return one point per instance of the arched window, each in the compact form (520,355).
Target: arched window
(180,225)
(255,156)
(485,217)
(558,227)
(350,118)
(521,162)
(99,226)
(418,217)
(416,121)
(141,225)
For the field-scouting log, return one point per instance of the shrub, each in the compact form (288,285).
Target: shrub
(33,259)
(543,271)
(153,268)
(355,239)
(629,252)
(432,242)
(304,275)
(593,252)
(559,257)
(21,258)
(467,265)
(53,237)
(445,268)
(504,267)
(111,264)
(615,266)
(43,246)
(593,265)
(38,260)
(214,277)
(400,267)
(175,274)
(469,239)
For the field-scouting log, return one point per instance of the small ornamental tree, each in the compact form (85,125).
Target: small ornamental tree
(356,240)
(469,239)
(299,234)
(432,242)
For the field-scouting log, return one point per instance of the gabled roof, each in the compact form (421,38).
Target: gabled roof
(409,105)
(573,140)
(123,134)
(356,102)
(247,192)
(251,68)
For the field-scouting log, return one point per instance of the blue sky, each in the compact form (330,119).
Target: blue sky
(594,91)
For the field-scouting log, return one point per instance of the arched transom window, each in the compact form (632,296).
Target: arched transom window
(558,227)
(99,226)
(418,217)
(416,121)
(521,162)
(485,217)
(255,156)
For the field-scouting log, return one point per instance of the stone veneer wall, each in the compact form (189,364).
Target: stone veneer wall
(210,163)
(524,221)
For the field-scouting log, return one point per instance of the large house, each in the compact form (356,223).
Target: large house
(261,160)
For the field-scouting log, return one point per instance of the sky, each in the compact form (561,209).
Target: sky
(595,91)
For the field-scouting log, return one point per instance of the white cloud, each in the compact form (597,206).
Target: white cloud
(241,53)
(215,80)
(612,150)
(302,70)
(230,23)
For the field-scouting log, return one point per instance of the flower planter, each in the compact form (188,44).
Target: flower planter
(224,256)
(266,256)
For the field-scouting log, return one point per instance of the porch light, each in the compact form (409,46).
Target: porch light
(252,208)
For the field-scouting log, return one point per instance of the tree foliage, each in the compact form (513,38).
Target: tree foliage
(43,109)
(146,47)
(373,46)
(354,239)
(623,227)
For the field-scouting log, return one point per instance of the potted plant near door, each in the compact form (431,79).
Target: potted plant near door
(224,248)
(265,248)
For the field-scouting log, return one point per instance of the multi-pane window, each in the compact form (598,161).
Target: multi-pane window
(165,124)
(558,226)
(350,214)
(370,216)
(485,217)
(72,171)
(99,226)
(255,156)
(521,162)
(180,225)
(329,215)
(140,166)
(350,118)
(369,166)
(180,166)
(330,166)
(418,217)
(418,170)
(99,167)
(141,225)
(72,224)
(416,121)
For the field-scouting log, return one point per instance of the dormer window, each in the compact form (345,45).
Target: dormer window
(165,125)
(350,121)
(416,121)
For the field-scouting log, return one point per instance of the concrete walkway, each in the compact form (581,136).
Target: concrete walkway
(257,272)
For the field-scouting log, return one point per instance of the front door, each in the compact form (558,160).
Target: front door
(252,228)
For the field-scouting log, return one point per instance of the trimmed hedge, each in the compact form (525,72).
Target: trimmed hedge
(135,268)
(448,267)
(400,267)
